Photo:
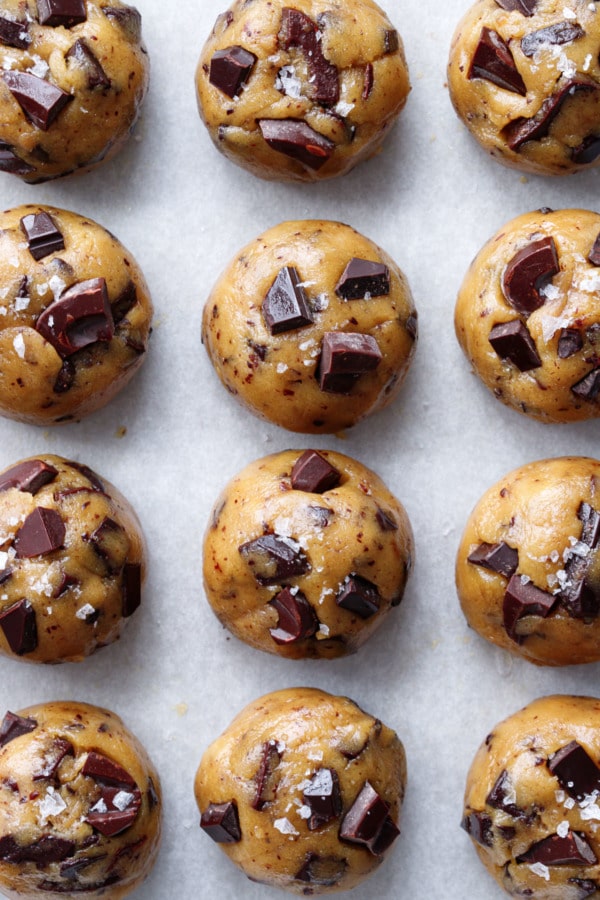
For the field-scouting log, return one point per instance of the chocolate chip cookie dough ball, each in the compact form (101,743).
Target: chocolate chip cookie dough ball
(524,77)
(73,75)
(527,315)
(528,568)
(311,326)
(306,554)
(75,315)
(531,800)
(301,90)
(72,561)
(80,808)
(303,791)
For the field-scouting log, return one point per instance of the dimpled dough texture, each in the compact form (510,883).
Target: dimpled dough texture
(524,77)
(287,296)
(531,800)
(301,568)
(303,791)
(75,315)
(72,561)
(527,314)
(73,76)
(301,91)
(80,807)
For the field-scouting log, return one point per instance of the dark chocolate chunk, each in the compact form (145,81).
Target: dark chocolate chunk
(528,272)
(61,12)
(40,100)
(576,771)
(298,30)
(14,726)
(128,18)
(586,886)
(559,33)
(362,277)
(60,748)
(80,317)
(587,151)
(590,519)
(29,476)
(109,819)
(526,7)
(42,532)
(478,826)
(325,871)
(221,822)
(84,56)
(43,237)
(523,598)
(523,129)
(104,771)
(124,302)
(588,387)
(132,588)
(594,256)
(108,541)
(19,627)
(285,306)
(344,357)
(274,559)
(368,81)
(297,139)
(230,69)
(266,781)
(314,474)
(571,850)
(385,520)
(499,558)
(497,797)
(47,849)
(580,598)
(570,342)
(11,163)
(512,341)
(14,34)
(359,596)
(297,619)
(65,378)
(367,819)
(88,473)
(494,62)
(391,42)
(323,798)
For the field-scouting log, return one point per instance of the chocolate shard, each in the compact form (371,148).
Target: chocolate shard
(588,387)
(80,317)
(11,163)
(19,627)
(43,235)
(109,542)
(594,256)
(285,307)
(587,151)
(71,868)
(344,357)
(359,596)
(560,33)
(14,34)
(298,30)
(581,598)
(576,771)
(128,18)
(571,850)
(230,69)
(53,759)
(13,726)
(83,55)
(478,826)
(221,822)
(570,342)
(386,520)
(500,797)
(88,473)
(105,771)
(368,81)
(295,138)
(314,474)
(494,62)
(274,559)
(323,798)
(65,378)
(586,886)
(523,129)
(29,476)
(526,7)
(47,849)
(124,302)
(40,100)
(528,272)
(512,341)
(590,519)
(42,532)
(499,558)
(297,619)
(523,598)
(391,41)
(266,780)
(132,588)
(366,819)
(61,12)
(109,819)
(325,871)
(363,278)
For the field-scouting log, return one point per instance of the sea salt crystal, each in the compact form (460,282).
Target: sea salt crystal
(40,67)
(563,829)
(305,812)
(21,303)
(51,805)
(541,870)
(281,368)
(57,286)
(99,807)
(343,108)
(19,345)
(84,611)
(586,62)
(288,83)
(285,826)
(589,281)
(568,13)
(324,630)
(122,800)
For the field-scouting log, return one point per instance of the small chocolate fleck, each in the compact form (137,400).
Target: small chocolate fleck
(570,342)
(61,12)
(297,619)
(298,30)
(128,18)
(363,277)
(587,151)
(230,69)
(523,129)
(323,798)
(40,100)
(325,871)
(499,558)
(494,62)
(84,56)
(266,782)
(528,272)
(344,357)
(594,256)
(19,627)
(576,771)
(285,306)
(314,474)
(29,476)
(478,826)
(80,317)
(13,726)
(274,559)
(132,588)
(43,235)
(570,850)
(368,822)
(559,33)
(523,598)
(512,341)
(14,34)
(42,532)
(588,387)
(359,596)
(221,822)
(368,81)
(297,139)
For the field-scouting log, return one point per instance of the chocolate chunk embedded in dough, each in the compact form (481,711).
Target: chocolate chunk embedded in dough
(314,474)
(43,235)
(362,278)
(494,62)
(61,12)
(18,623)
(576,771)
(499,558)
(80,317)
(30,476)
(285,307)
(559,33)
(221,822)
(528,272)
(295,138)
(230,69)
(512,341)
(40,100)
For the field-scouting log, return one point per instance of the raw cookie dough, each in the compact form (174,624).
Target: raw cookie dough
(531,800)
(527,314)
(311,326)
(528,567)
(303,791)
(301,90)
(306,554)
(524,77)
(73,75)
(72,561)
(75,315)
(80,807)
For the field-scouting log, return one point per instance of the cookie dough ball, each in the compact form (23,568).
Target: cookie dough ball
(306,554)
(311,326)
(301,92)
(75,315)
(80,808)
(531,800)
(527,315)
(303,791)
(528,568)
(524,77)
(72,561)
(73,75)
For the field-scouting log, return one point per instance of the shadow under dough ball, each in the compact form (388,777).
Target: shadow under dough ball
(304,90)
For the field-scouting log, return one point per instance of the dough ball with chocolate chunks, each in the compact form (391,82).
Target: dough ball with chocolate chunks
(75,315)
(80,807)
(528,567)
(72,561)
(306,554)
(73,75)
(524,77)
(303,791)
(311,326)
(301,90)
(531,800)
(527,314)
